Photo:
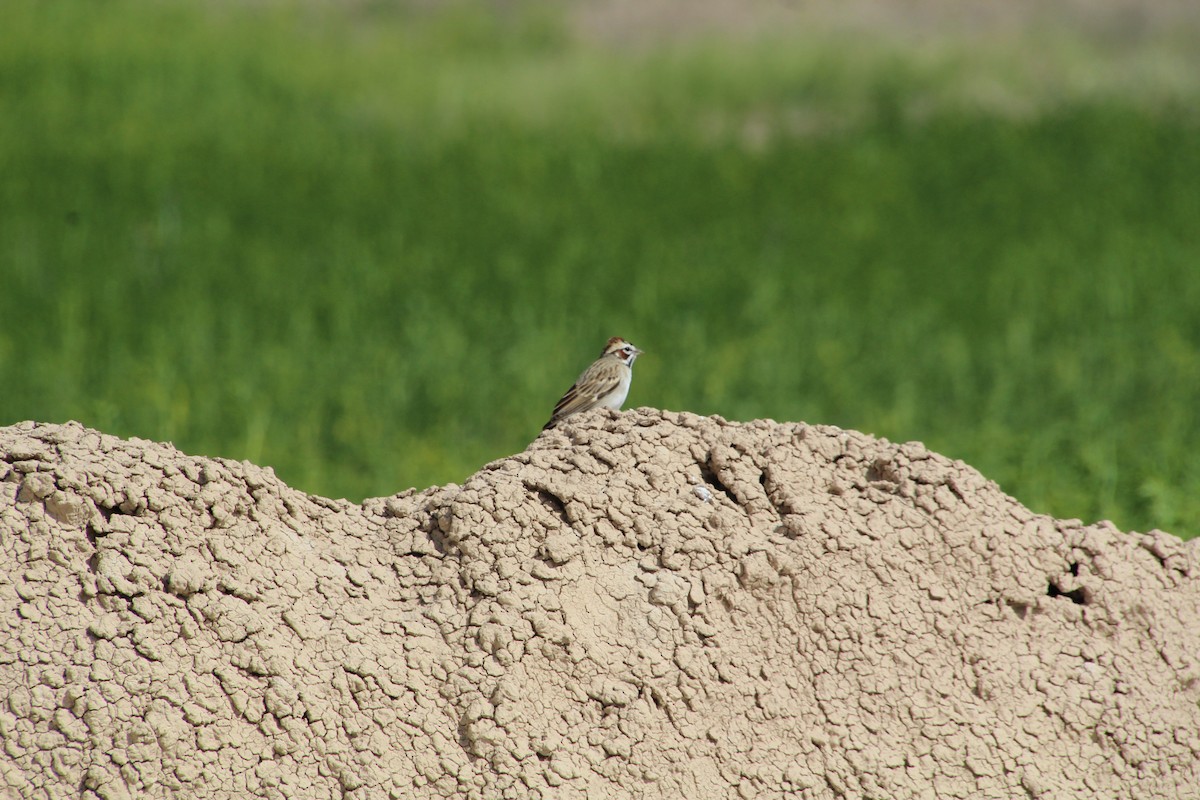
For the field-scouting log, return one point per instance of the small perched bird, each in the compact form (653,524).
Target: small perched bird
(604,384)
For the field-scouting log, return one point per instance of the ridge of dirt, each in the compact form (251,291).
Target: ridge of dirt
(644,604)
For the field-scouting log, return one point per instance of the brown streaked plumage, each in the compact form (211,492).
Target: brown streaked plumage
(605,384)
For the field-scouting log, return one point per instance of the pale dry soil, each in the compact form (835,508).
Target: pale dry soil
(645,604)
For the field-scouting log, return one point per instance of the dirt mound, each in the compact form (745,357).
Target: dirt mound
(640,605)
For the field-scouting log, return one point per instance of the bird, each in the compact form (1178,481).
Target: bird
(605,384)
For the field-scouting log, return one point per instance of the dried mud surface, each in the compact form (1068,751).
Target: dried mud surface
(647,604)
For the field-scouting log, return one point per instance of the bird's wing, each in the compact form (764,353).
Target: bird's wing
(597,381)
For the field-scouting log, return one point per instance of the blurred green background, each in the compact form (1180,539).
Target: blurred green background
(370,244)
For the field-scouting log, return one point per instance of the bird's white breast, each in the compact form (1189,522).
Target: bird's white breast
(616,397)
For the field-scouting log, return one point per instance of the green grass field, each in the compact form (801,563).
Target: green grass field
(371,248)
